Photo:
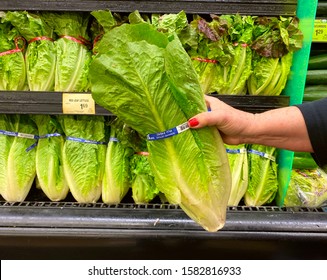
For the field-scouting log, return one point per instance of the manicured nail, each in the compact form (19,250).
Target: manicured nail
(193,122)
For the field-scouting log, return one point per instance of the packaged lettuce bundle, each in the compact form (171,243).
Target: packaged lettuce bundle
(238,162)
(17,161)
(84,155)
(49,158)
(223,55)
(275,41)
(116,177)
(307,188)
(41,53)
(147,79)
(73,50)
(12,62)
(263,182)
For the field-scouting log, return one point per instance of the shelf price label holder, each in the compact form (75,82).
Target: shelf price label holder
(78,103)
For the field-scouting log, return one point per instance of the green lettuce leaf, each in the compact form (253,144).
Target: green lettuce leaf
(275,41)
(49,162)
(12,66)
(18,162)
(144,188)
(5,145)
(150,84)
(84,162)
(307,188)
(40,54)
(238,161)
(116,178)
(73,57)
(263,182)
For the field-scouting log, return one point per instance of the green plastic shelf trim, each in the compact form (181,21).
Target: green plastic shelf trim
(306,12)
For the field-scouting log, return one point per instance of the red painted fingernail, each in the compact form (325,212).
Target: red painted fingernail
(193,122)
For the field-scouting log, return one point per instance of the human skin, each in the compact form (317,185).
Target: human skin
(281,128)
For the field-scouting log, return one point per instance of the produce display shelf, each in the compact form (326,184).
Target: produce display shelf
(28,102)
(154,231)
(253,7)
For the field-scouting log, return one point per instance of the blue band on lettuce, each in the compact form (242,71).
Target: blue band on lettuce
(262,154)
(81,140)
(168,133)
(236,151)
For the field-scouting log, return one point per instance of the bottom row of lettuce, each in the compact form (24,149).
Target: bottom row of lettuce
(67,153)
(96,158)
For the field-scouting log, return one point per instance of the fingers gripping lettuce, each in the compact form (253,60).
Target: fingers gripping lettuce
(149,82)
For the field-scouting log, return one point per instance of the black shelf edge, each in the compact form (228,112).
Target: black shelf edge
(249,7)
(321,9)
(62,218)
(28,102)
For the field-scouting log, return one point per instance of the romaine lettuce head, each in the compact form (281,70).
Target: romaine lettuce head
(12,66)
(40,54)
(263,182)
(73,53)
(20,166)
(5,145)
(149,83)
(116,178)
(238,161)
(49,162)
(84,162)
(144,188)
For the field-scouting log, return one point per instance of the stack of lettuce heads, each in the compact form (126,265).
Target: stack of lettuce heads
(41,53)
(146,78)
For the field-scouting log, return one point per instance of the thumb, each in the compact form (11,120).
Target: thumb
(204,119)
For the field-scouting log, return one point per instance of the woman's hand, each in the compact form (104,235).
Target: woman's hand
(233,124)
(281,128)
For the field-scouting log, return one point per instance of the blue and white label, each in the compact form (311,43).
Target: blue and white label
(18,134)
(168,133)
(49,135)
(236,151)
(81,140)
(262,154)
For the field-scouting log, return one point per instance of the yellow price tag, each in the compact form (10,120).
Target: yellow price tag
(78,103)
(320,30)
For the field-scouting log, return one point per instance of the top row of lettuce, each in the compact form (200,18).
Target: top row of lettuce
(232,54)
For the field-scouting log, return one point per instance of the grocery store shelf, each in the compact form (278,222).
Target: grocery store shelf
(131,231)
(28,102)
(253,7)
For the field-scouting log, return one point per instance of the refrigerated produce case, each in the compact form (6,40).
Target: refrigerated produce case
(38,228)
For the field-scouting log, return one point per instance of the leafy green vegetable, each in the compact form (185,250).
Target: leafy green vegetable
(73,50)
(144,188)
(12,63)
(263,183)
(223,56)
(238,161)
(40,54)
(49,162)
(84,162)
(307,188)
(116,178)
(17,161)
(149,82)
(235,73)
(275,41)
(104,21)
(5,145)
